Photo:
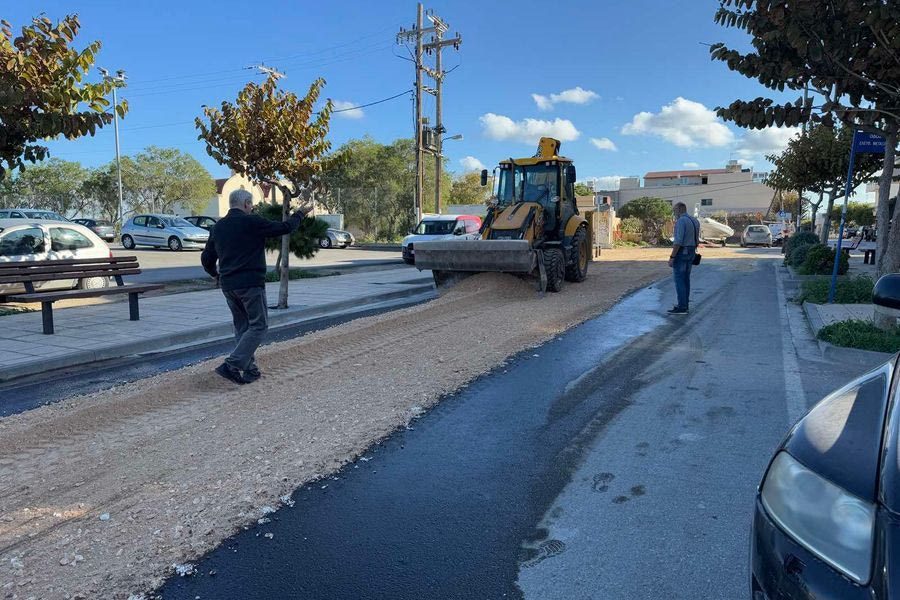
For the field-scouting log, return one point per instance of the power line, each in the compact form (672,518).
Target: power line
(409,91)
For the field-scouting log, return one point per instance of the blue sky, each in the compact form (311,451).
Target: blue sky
(628,85)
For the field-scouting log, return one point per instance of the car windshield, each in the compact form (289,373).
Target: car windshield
(535,183)
(435,227)
(758,229)
(176,222)
(44,215)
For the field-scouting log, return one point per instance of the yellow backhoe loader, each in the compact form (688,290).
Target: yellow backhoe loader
(532,226)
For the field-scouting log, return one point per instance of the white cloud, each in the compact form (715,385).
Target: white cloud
(685,123)
(344,105)
(543,102)
(470,163)
(604,144)
(606,183)
(690,165)
(575,95)
(528,131)
(756,143)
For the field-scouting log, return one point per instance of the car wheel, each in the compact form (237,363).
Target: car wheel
(409,261)
(93,283)
(325,242)
(127,242)
(554,263)
(174,244)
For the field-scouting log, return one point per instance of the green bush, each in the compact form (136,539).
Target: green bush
(862,335)
(798,255)
(820,261)
(855,290)
(304,242)
(630,225)
(798,239)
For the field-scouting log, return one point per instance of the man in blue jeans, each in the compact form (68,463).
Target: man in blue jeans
(235,254)
(684,248)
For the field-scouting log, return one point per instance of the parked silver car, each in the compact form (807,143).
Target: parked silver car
(336,238)
(756,235)
(162,231)
(105,230)
(32,214)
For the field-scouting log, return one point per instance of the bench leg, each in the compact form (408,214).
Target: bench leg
(47,317)
(133,307)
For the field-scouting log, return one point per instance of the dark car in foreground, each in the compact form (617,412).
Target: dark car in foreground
(827,517)
(105,230)
(202,221)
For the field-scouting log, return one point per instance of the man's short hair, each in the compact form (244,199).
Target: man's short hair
(680,206)
(237,198)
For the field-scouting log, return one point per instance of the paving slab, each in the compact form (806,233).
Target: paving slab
(102,331)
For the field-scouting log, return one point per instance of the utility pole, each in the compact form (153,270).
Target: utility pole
(118,81)
(437,43)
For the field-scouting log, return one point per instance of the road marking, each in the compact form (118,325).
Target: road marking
(795,398)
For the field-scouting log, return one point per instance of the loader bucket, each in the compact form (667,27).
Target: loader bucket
(475,256)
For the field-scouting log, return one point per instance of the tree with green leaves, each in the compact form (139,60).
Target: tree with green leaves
(54,185)
(467,189)
(42,90)
(818,162)
(846,52)
(276,137)
(858,213)
(161,179)
(653,213)
(102,189)
(582,189)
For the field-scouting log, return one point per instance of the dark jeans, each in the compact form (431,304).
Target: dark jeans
(250,315)
(681,271)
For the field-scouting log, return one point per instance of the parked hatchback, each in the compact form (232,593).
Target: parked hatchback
(162,231)
(32,214)
(104,229)
(756,235)
(827,518)
(41,240)
(439,227)
(201,221)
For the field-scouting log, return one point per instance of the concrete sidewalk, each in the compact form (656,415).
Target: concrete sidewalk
(87,334)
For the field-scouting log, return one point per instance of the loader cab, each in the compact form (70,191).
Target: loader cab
(550,183)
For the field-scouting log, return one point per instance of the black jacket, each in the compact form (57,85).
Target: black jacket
(237,242)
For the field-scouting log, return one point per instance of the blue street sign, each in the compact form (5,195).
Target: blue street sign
(868,142)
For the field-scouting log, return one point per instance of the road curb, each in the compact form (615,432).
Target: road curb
(840,353)
(203,335)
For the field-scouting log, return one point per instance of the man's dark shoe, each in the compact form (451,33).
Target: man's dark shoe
(251,375)
(677,311)
(230,373)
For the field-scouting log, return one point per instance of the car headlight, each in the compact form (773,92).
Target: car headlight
(824,518)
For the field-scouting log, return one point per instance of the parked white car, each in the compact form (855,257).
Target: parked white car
(22,240)
(756,235)
(440,227)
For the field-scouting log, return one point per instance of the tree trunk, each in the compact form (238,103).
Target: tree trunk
(826,221)
(883,216)
(887,247)
(285,254)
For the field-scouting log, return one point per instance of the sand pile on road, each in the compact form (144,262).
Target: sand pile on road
(103,494)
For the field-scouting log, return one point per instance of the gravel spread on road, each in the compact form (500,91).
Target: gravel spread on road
(105,495)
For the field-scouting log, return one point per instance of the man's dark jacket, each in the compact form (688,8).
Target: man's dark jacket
(238,243)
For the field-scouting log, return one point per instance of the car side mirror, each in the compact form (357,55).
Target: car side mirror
(484,175)
(458,231)
(570,173)
(887,291)
(160,226)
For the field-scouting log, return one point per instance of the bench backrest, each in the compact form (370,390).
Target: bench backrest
(70,268)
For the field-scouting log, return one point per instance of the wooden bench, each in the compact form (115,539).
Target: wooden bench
(30,272)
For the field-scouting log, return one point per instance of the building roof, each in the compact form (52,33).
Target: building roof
(685,173)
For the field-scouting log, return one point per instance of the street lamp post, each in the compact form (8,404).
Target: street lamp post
(439,156)
(118,80)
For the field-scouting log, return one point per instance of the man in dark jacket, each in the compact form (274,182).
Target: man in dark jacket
(237,243)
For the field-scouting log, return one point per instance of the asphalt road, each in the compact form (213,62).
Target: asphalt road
(161,264)
(617,461)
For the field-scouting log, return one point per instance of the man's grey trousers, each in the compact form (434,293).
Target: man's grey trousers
(250,315)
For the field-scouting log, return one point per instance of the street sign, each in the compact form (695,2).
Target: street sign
(784,216)
(868,142)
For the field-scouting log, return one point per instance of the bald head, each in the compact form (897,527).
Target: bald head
(679,208)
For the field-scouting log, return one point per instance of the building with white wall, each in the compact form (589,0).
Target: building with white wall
(731,190)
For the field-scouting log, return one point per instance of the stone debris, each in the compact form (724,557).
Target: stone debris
(185,569)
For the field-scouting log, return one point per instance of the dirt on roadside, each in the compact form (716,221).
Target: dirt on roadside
(103,494)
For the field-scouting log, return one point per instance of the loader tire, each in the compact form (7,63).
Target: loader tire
(555,263)
(581,256)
